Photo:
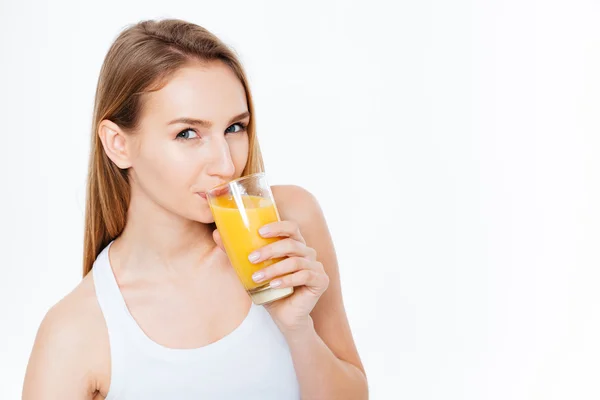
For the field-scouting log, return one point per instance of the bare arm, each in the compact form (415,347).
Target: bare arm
(322,375)
(324,354)
(64,358)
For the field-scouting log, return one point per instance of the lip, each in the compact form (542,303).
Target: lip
(202,194)
(220,190)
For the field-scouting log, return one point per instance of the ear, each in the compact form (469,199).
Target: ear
(114,141)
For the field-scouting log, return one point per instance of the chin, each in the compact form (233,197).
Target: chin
(204,217)
(208,220)
(200,216)
(197,214)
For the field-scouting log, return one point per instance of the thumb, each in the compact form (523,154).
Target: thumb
(217,239)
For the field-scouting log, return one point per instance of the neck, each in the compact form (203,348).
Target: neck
(157,240)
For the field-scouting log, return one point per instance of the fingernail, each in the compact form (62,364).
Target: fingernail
(258,276)
(264,230)
(275,283)
(253,256)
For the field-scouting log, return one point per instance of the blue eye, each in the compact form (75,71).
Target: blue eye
(190,133)
(241,125)
(185,134)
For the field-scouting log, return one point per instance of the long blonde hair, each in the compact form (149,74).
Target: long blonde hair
(141,60)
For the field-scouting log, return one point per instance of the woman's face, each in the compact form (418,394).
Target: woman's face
(173,162)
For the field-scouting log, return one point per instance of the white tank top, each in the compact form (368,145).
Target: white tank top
(253,362)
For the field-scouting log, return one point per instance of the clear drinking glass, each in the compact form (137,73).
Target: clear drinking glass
(240,208)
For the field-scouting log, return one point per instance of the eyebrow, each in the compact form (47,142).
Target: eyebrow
(206,124)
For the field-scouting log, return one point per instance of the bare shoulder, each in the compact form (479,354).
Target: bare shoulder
(297,204)
(70,355)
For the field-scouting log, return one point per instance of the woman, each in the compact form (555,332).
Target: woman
(160,313)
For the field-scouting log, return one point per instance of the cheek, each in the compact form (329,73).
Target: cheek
(164,172)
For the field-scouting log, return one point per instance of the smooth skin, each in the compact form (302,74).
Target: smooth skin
(170,264)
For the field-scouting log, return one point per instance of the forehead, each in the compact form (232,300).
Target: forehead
(209,91)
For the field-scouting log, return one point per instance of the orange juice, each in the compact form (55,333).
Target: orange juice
(238,226)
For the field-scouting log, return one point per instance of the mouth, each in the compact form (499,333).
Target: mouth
(219,191)
(216,191)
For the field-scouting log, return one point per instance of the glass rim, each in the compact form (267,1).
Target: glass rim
(241,178)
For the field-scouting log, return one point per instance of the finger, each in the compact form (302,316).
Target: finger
(315,281)
(217,239)
(283,267)
(285,247)
(282,228)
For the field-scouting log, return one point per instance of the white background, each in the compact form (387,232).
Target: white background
(453,146)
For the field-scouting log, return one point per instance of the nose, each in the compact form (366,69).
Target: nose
(221,163)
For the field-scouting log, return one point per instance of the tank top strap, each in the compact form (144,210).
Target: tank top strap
(114,310)
(108,293)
